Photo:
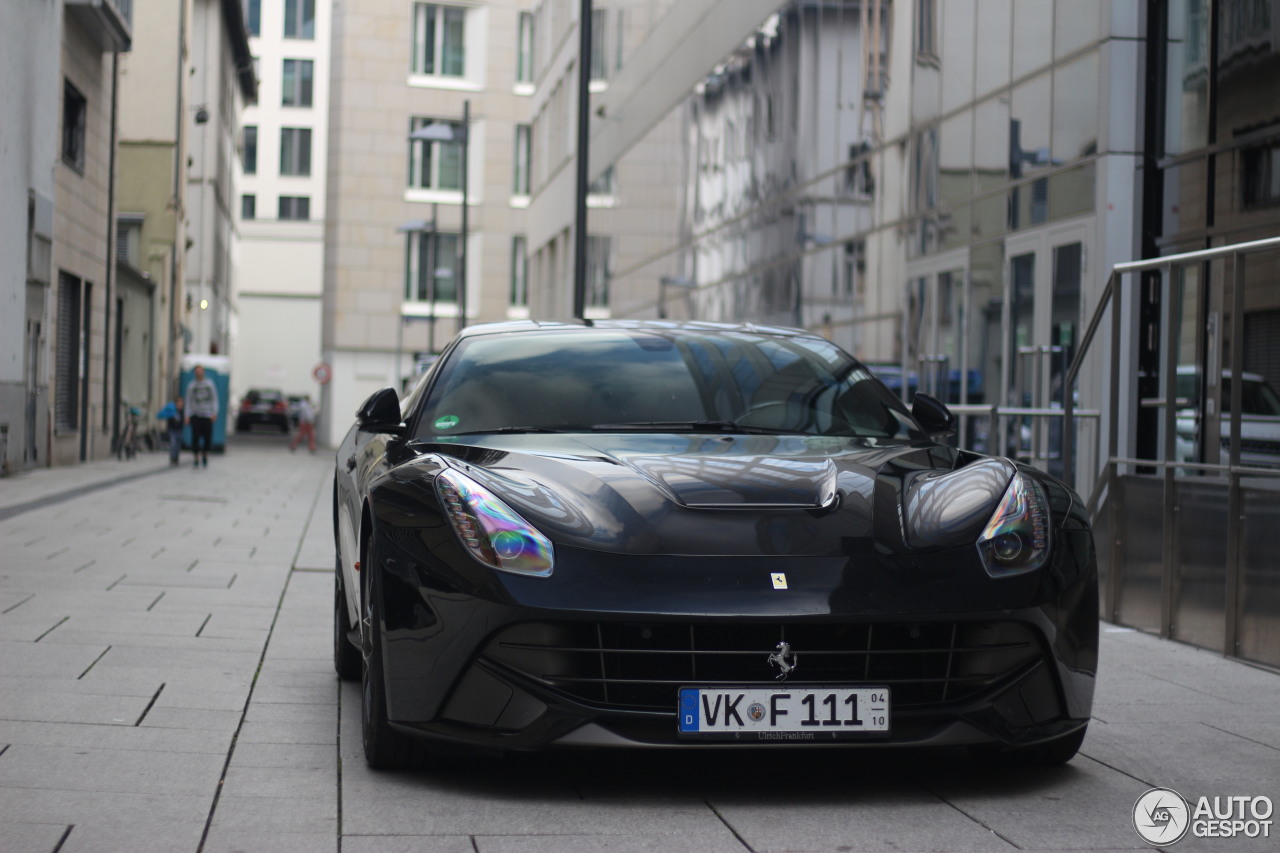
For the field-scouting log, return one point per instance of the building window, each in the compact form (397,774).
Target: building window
(927,29)
(431,267)
(924,171)
(296,207)
(248,206)
(74,110)
(524,49)
(599,65)
(855,266)
(858,179)
(602,185)
(300,19)
(295,151)
(599,270)
(524,148)
(618,38)
(439,40)
(435,165)
(297,83)
(519,272)
(253,17)
(129,239)
(250,149)
(66,402)
(1260,178)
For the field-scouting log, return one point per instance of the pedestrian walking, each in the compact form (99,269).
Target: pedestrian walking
(306,426)
(202,409)
(171,414)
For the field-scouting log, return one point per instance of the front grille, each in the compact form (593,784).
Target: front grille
(639,666)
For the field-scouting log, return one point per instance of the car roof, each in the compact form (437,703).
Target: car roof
(534,326)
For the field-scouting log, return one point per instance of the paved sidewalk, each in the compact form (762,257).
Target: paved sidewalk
(29,489)
(134,621)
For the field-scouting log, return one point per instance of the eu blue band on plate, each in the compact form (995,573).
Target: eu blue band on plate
(689,711)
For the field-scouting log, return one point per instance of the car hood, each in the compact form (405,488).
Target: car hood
(733,494)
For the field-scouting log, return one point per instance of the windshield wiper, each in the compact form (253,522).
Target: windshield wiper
(509,430)
(692,426)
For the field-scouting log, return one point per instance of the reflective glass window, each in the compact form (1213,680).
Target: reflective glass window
(958,48)
(995,28)
(991,144)
(1032,32)
(1187,76)
(1075,109)
(1076,23)
(955,158)
(1029,128)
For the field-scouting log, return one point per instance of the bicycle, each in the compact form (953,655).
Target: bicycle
(127,446)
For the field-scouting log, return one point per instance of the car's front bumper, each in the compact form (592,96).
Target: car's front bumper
(595,654)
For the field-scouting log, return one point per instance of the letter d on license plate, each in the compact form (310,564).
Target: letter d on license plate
(783,713)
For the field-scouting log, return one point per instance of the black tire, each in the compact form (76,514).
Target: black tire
(384,747)
(347,660)
(1050,754)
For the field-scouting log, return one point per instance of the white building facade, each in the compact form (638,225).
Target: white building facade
(275,317)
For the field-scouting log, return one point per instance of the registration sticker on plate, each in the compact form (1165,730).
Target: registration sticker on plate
(783,713)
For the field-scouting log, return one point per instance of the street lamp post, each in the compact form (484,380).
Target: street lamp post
(414,229)
(437,132)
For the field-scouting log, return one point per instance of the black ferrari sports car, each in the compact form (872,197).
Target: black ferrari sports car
(688,534)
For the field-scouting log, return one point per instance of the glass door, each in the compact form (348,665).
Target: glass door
(934,341)
(1044,279)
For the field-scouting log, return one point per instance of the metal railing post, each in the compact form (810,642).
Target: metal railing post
(1114,489)
(1171,309)
(1235,502)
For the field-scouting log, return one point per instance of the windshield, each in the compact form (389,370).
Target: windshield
(658,380)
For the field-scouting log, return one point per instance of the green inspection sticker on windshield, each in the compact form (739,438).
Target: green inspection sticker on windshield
(446,422)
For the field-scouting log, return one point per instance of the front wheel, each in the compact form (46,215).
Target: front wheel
(384,747)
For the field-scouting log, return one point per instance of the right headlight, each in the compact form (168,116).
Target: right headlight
(1016,539)
(492,531)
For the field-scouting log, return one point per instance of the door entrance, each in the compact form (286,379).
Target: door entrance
(1043,279)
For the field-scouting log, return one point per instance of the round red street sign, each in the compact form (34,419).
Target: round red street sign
(322,373)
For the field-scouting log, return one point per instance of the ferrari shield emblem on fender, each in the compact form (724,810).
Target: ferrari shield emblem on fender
(779,580)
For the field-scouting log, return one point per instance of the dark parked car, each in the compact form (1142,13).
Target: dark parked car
(654,534)
(263,407)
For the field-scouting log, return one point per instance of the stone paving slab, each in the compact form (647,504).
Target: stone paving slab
(20,837)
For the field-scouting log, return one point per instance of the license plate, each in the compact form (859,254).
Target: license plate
(783,713)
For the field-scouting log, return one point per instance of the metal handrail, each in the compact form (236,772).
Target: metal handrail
(1250,470)
(1110,295)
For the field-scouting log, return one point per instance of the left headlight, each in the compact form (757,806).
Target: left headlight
(492,531)
(1016,539)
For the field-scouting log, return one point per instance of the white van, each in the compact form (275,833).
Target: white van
(1259,423)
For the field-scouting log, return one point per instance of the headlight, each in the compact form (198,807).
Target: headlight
(1016,539)
(493,533)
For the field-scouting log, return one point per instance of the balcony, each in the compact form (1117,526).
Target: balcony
(108,22)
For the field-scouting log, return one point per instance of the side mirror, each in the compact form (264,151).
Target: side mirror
(380,413)
(935,417)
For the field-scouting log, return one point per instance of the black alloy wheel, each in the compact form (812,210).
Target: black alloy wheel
(384,747)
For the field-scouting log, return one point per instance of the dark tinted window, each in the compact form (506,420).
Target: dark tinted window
(585,379)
